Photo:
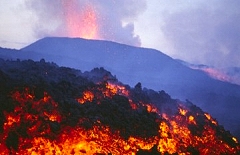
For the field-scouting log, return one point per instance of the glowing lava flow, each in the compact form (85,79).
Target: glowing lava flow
(40,126)
(214,73)
(80,22)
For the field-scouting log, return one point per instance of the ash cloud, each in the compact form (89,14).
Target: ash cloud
(114,18)
(206,32)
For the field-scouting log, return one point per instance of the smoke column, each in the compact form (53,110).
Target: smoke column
(96,19)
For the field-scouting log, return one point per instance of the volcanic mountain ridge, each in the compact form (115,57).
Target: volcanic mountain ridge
(47,109)
(152,68)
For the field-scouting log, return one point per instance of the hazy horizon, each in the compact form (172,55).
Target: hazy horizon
(199,32)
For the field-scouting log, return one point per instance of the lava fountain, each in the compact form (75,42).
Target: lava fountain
(80,21)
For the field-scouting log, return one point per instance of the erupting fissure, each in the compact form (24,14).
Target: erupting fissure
(105,118)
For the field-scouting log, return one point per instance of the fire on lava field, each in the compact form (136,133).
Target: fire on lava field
(46,109)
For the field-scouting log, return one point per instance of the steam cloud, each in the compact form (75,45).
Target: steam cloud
(111,20)
(205,32)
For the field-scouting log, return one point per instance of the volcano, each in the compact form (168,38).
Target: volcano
(47,109)
(152,68)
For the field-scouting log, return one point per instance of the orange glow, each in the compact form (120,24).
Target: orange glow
(182,111)
(191,119)
(133,105)
(117,89)
(80,22)
(150,107)
(98,140)
(208,116)
(235,139)
(11,120)
(214,73)
(87,96)
(173,135)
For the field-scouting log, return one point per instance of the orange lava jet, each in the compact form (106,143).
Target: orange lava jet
(80,22)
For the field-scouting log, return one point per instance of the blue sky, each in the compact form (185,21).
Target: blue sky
(197,31)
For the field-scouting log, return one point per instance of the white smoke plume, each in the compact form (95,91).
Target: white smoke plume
(95,19)
(206,32)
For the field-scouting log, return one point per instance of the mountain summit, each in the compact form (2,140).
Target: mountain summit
(152,68)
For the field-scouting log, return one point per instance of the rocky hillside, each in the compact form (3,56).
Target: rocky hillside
(47,109)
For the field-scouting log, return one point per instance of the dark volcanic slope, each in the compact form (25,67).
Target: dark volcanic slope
(46,109)
(152,68)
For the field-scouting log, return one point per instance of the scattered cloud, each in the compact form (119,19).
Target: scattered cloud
(207,33)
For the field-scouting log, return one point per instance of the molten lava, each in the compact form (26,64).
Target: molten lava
(80,22)
(46,130)
(42,114)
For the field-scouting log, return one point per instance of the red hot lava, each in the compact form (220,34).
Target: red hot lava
(40,126)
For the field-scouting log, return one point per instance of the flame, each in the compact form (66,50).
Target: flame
(47,131)
(116,89)
(234,139)
(208,116)
(80,23)
(87,96)
(191,119)
(109,90)
(182,111)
